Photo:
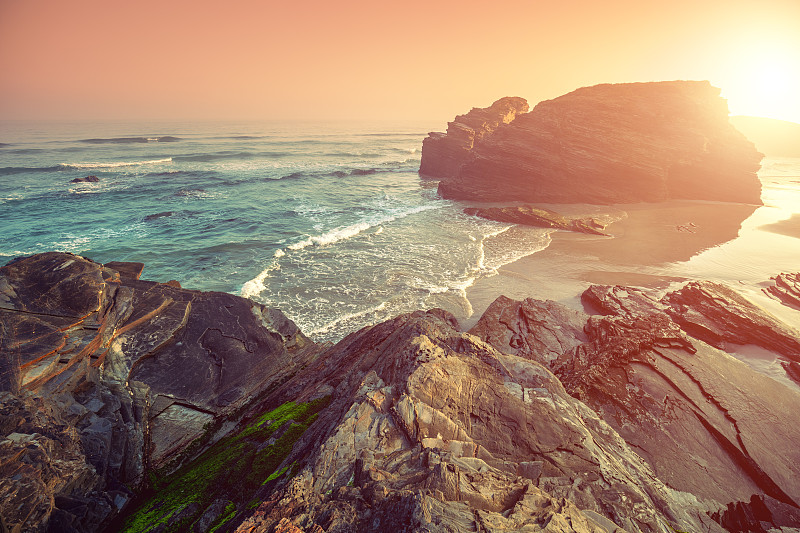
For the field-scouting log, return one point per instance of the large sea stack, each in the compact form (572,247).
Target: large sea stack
(620,143)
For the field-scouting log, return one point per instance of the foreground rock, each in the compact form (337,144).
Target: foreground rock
(535,216)
(430,429)
(633,142)
(706,422)
(105,377)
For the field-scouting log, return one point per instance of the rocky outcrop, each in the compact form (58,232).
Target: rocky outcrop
(786,289)
(706,422)
(444,153)
(178,410)
(630,142)
(430,429)
(535,216)
(104,377)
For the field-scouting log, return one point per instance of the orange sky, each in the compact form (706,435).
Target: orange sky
(432,59)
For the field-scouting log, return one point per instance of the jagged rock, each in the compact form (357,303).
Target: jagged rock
(628,142)
(430,429)
(786,289)
(131,370)
(535,216)
(718,315)
(533,329)
(445,153)
(87,179)
(707,423)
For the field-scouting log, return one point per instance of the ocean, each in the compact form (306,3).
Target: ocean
(327,221)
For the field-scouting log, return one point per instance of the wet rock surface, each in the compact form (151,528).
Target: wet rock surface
(629,142)
(535,216)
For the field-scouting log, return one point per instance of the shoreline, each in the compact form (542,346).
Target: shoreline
(643,249)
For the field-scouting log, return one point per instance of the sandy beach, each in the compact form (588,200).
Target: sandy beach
(651,245)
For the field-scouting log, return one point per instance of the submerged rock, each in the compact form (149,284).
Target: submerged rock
(629,142)
(87,179)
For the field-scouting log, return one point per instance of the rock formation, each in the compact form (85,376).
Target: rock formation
(463,134)
(134,406)
(630,142)
(706,422)
(535,216)
(104,377)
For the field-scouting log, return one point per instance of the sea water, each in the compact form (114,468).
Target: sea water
(329,222)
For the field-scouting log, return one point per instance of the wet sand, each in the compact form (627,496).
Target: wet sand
(789,227)
(641,250)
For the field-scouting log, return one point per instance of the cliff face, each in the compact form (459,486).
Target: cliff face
(443,154)
(605,144)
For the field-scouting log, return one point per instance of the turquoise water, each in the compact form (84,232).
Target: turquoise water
(327,221)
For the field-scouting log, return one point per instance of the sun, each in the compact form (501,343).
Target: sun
(764,80)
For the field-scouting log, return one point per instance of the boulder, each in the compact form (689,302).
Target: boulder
(611,143)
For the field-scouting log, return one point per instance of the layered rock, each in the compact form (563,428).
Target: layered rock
(444,153)
(630,142)
(706,422)
(529,215)
(430,429)
(109,376)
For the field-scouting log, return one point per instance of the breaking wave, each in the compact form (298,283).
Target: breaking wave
(113,164)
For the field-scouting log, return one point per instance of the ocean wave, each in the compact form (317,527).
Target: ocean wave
(116,164)
(256,286)
(210,158)
(342,173)
(347,232)
(195,193)
(7,171)
(180,173)
(325,328)
(132,140)
(3,145)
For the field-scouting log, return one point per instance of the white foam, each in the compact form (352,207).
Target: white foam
(330,325)
(114,165)
(347,232)
(256,286)
(379,230)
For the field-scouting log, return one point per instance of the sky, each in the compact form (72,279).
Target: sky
(379,59)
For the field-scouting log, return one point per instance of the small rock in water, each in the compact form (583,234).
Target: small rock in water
(87,179)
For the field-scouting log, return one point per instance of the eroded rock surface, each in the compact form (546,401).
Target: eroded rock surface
(629,142)
(706,422)
(104,376)
(430,429)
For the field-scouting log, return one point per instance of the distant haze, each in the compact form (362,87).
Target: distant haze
(775,138)
(358,59)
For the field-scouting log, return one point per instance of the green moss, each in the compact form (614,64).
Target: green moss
(234,468)
(226,516)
